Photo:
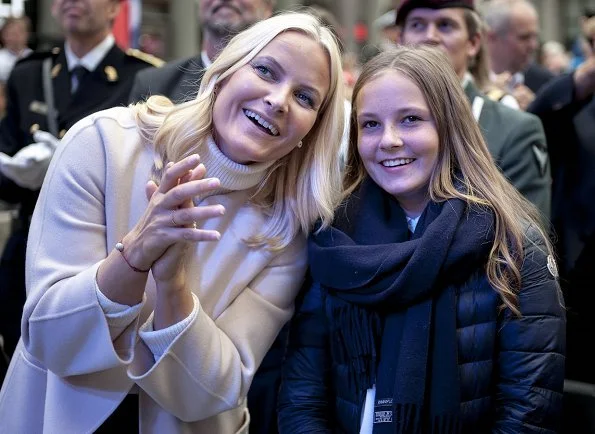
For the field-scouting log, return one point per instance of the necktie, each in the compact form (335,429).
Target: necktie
(78,73)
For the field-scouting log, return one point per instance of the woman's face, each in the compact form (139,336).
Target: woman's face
(265,108)
(397,138)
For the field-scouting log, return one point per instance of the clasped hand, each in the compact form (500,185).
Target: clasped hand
(171,221)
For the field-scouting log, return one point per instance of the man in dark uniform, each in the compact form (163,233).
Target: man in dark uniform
(515,139)
(219,20)
(88,73)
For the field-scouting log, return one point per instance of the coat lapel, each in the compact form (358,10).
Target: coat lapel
(61,83)
(96,89)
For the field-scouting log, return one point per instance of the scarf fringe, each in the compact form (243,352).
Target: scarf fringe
(408,419)
(356,341)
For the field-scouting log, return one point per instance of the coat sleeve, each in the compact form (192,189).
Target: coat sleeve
(531,357)
(557,95)
(304,395)
(525,162)
(209,366)
(63,324)
(557,107)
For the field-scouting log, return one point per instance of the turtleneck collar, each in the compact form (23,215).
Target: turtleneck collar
(233,176)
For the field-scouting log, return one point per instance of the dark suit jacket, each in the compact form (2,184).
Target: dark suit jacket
(179,81)
(517,143)
(570,128)
(537,76)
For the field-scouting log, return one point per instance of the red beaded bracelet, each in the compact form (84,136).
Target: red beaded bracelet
(120,248)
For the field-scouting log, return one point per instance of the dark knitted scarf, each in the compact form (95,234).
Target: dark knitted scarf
(391,302)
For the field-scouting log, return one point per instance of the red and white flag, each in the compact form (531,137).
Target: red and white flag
(127,24)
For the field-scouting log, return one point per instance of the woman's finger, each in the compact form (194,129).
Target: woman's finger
(150,189)
(189,216)
(171,235)
(181,193)
(173,172)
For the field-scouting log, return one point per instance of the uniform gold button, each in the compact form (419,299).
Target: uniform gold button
(34,128)
(62,134)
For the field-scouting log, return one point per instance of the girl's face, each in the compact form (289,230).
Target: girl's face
(397,138)
(268,106)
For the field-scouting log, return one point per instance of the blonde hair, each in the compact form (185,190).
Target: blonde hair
(304,185)
(463,159)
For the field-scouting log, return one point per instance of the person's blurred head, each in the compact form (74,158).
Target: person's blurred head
(513,34)
(88,19)
(224,18)
(451,25)
(586,15)
(589,34)
(274,94)
(14,34)
(554,57)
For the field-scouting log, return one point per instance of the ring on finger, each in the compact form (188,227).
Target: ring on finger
(194,225)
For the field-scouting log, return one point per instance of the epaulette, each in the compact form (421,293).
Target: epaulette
(145,57)
(40,55)
(495,94)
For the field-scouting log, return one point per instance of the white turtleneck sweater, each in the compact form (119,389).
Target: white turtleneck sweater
(88,354)
(233,177)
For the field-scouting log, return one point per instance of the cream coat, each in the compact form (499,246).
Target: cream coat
(71,370)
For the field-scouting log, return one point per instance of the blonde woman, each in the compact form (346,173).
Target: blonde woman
(168,243)
(435,305)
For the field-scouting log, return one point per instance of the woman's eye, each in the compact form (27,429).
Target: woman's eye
(305,98)
(263,70)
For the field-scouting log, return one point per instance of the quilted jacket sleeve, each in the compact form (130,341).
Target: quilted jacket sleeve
(303,400)
(530,362)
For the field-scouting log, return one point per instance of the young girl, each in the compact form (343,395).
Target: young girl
(434,305)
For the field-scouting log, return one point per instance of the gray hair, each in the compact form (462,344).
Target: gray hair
(497,13)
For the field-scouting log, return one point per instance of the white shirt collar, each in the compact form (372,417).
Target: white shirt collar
(412,222)
(206,62)
(93,58)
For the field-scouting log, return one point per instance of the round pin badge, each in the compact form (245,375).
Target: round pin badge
(551,265)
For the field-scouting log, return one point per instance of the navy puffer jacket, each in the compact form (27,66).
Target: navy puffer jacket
(511,369)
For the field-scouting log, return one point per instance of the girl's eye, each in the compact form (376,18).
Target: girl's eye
(410,119)
(370,124)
